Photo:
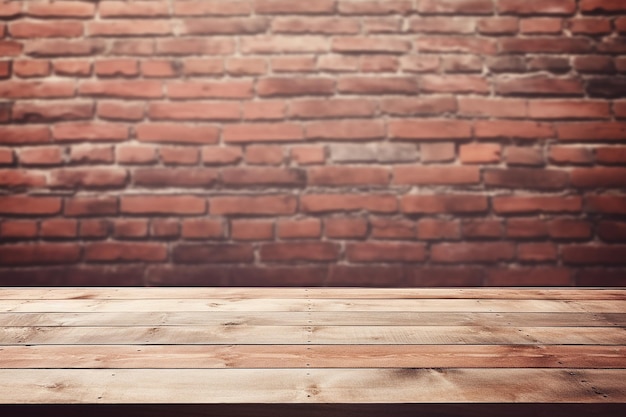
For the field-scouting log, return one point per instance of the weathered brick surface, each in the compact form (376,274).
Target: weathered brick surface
(322,142)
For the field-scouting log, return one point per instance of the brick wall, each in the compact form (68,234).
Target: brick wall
(318,142)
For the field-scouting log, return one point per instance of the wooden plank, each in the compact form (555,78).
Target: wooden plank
(336,335)
(295,318)
(315,356)
(398,385)
(424,305)
(311,293)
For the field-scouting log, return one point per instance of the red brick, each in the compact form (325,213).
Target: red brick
(594,64)
(39,254)
(179,155)
(455,7)
(612,231)
(88,131)
(130,228)
(10,9)
(345,227)
(203,229)
(26,205)
(599,277)
(283,177)
(264,110)
(263,132)
(121,89)
(245,229)
(162,204)
(72,68)
(129,28)
(528,277)
(513,129)
(42,155)
(18,229)
(210,89)
(6,156)
(206,66)
(94,229)
(458,84)
(376,203)
(326,25)
(435,175)
(483,153)
(611,155)
(179,177)
(418,106)
(386,252)
(524,155)
(372,7)
(246,66)
(539,85)
(84,154)
(588,255)
(593,6)
(5,69)
(338,63)
(88,178)
(598,177)
(370,45)
(264,155)
(592,131)
(346,130)
(429,129)
(232,26)
(489,107)
(308,155)
(194,111)
(278,44)
(472,252)
(331,108)
(565,155)
(565,7)
(119,110)
(456,44)
(304,63)
(36,89)
(165,228)
(136,154)
(136,9)
(273,87)
(536,252)
(70,9)
(542,179)
(299,251)
(498,26)
(21,178)
(481,228)
(31,68)
(441,25)
(385,228)
(526,228)
(334,175)
(536,204)
(435,229)
(123,252)
(211,8)
(259,205)
(213,155)
(458,203)
(305,228)
(546,45)
(64,47)
(569,229)
(290,7)
(568,109)
(159,69)
(50,111)
(377,85)
(90,206)
(10,48)
(463,64)
(590,26)
(117,68)
(59,228)
(177,133)
(437,152)
(46,29)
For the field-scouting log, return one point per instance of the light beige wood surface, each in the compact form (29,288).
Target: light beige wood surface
(311,345)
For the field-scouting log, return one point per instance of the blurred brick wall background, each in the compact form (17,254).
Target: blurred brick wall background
(319,142)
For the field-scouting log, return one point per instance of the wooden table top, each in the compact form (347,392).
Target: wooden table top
(311,345)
